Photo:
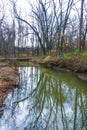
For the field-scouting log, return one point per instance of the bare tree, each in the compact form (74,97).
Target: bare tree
(52,19)
(44,24)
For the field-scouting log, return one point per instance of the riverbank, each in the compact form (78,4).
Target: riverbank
(8,79)
(76,63)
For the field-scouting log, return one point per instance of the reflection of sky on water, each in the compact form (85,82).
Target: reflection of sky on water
(44,101)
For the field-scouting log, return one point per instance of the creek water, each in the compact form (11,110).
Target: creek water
(46,100)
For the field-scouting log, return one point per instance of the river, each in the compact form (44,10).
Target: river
(46,100)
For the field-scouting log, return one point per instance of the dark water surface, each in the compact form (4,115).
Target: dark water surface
(46,100)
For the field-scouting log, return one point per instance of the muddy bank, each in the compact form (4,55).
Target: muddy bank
(75,66)
(8,80)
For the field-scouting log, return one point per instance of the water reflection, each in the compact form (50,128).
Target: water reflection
(46,100)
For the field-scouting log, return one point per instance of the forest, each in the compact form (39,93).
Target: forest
(43,27)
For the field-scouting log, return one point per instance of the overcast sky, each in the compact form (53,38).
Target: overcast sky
(24,5)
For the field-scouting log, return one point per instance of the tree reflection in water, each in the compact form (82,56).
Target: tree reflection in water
(46,100)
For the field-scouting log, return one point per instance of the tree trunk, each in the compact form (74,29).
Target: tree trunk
(81,27)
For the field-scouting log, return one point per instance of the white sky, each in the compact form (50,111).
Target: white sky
(24,5)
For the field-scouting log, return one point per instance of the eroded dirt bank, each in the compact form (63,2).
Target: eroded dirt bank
(74,65)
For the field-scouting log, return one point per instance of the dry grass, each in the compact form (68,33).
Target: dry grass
(8,76)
